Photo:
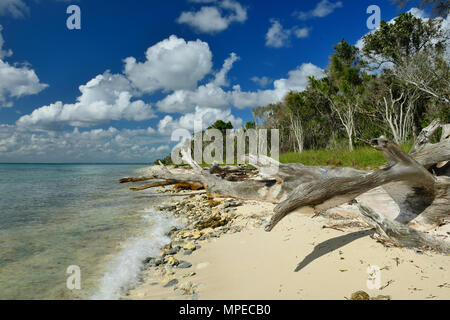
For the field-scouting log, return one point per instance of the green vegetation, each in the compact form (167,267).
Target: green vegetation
(364,158)
(396,84)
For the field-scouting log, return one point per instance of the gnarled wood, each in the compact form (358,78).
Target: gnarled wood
(331,192)
(400,234)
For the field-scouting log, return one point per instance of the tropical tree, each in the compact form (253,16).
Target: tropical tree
(344,86)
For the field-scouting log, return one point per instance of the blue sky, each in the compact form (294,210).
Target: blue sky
(149,67)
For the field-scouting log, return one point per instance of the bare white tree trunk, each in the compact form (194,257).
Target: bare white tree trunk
(347,118)
(297,130)
(398,113)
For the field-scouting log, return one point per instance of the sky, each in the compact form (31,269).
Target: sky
(115,89)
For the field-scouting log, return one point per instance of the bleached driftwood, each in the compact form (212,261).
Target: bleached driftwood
(423,198)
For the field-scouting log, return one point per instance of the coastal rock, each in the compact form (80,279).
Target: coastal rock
(190,274)
(196,234)
(171,261)
(360,295)
(186,288)
(184,265)
(190,246)
(212,222)
(170,283)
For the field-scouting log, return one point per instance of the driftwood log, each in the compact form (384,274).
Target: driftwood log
(418,182)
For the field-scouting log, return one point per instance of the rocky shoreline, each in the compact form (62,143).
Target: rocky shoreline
(219,250)
(201,219)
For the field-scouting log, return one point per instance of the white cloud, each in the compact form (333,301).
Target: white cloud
(297,81)
(106,97)
(322,9)
(302,32)
(16,81)
(214,19)
(261,81)
(213,96)
(207,116)
(221,76)
(277,36)
(96,145)
(15,8)
(209,95)
(171,64)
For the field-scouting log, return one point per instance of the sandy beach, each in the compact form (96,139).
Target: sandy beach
(299,259)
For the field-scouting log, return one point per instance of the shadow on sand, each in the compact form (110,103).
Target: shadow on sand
(330,245)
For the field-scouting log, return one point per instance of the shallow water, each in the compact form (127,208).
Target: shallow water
(55,216)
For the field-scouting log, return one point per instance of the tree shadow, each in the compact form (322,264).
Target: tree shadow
(330,245)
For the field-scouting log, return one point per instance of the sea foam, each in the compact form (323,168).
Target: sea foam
(125,268)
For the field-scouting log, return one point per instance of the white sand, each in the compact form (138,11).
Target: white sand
(331,264)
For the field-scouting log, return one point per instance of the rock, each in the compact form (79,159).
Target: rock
(173,250)
(212,222)
(196,234)
(189,246)
(184,265)
(187,252)
(158,261)
(170,283)
(171,261)
(186,288)
(191,274)
(360,295)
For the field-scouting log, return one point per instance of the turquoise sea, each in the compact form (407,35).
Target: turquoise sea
(53,216)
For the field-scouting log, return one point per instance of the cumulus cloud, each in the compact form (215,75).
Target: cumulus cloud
(261,81)
(106,97)
(322,9)
(213,96)
(277,36)
(14,8)
(206,116)
(96,145)
(214,19)
(110,97)
(15,80)
(171,64)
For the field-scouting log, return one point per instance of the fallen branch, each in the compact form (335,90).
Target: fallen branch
(401,234)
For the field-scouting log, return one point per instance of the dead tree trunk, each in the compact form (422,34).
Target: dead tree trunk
(400,234)
(423,198)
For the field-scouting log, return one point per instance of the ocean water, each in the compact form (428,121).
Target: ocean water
(56,216)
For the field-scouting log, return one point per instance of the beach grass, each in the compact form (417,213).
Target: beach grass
(359,158)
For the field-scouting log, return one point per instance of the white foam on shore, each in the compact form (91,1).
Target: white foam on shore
(124,269)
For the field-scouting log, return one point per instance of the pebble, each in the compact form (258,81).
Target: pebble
(184,265)
(171,261)
(170,283)
(190,246)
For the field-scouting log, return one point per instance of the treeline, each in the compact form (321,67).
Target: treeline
(397,83)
